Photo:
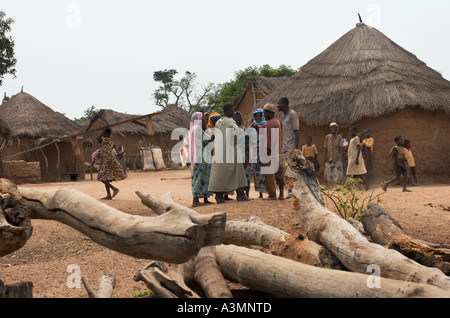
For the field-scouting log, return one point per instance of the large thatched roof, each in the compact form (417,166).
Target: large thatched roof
(25,116)
(362,75)
(170,118)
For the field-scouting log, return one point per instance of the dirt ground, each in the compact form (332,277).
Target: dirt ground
(54,248)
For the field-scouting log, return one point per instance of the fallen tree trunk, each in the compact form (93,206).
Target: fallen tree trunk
(254,232)
(384,230)
(173,237)
(342,239)
(287,278)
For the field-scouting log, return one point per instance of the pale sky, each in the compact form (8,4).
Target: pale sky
(75,54)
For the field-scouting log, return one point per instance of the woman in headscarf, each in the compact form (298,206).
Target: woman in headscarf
(212,119)
(200,169)
(257,121)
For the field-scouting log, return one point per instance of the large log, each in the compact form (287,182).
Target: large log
(173,237)
(342,239)
(254,232)
(287,278)
(385,230)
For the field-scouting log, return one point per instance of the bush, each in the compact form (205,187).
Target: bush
(350,199)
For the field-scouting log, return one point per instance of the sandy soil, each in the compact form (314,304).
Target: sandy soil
(46,258)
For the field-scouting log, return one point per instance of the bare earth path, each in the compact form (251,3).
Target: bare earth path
(55,248)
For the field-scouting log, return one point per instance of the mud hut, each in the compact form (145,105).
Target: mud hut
(366,80)
(256,89)
(134,135)
(40,136)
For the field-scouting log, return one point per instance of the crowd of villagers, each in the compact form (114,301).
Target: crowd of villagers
(225,155)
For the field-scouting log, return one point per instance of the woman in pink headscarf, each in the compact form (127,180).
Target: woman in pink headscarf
(200,169)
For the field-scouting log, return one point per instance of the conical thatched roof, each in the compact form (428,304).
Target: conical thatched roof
(25,116)
(170,118)
(362,75)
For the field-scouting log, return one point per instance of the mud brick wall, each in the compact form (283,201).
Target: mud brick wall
(20,172)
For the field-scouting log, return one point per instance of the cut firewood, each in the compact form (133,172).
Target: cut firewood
(342,239)
(106,285)
(287,278)
(386,231)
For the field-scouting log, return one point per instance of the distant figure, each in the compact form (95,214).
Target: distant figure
(290,129)
(244,141)
(356,167)
(411,162)
(200,169)
(110,169)
(121,155)
(274,178)
(258,178)
(367,152)
(212,119)
(227,176)
(310,153)
(400,164)
(333,156)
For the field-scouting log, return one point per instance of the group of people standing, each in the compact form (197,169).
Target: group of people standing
(226,176)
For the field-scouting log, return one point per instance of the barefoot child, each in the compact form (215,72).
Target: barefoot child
(411,162)
(400,164)
(310,152)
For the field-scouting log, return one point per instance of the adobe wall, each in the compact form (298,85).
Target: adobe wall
(428,132)
(20,172)
(68,162)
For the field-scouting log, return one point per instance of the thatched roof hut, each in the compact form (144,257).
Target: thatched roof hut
(39,134)
(134,135)
(26,116)
(363,75)
(367,80)
(256,89)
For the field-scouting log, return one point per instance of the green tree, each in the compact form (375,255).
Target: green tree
(230,90)
(7,59)
(187,93)
(88,113)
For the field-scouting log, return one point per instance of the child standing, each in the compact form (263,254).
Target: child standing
(356,167)
(400,164)
(368,154)
(310,153)
(411,162)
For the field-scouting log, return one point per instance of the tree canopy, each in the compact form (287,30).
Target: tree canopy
(189,95)
(7,59)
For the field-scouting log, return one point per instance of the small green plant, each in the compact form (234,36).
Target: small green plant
(144,293)
(350,199)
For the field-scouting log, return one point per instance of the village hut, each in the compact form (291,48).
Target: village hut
(366,80)
(133,135)
(40,137)
(256,89)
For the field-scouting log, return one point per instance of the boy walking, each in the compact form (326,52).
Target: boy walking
(400,164)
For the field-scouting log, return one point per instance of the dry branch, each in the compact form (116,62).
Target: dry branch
(384,230)
(173,237)
(106,285)
(342,239)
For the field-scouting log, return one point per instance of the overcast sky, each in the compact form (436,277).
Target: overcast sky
(75,54)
